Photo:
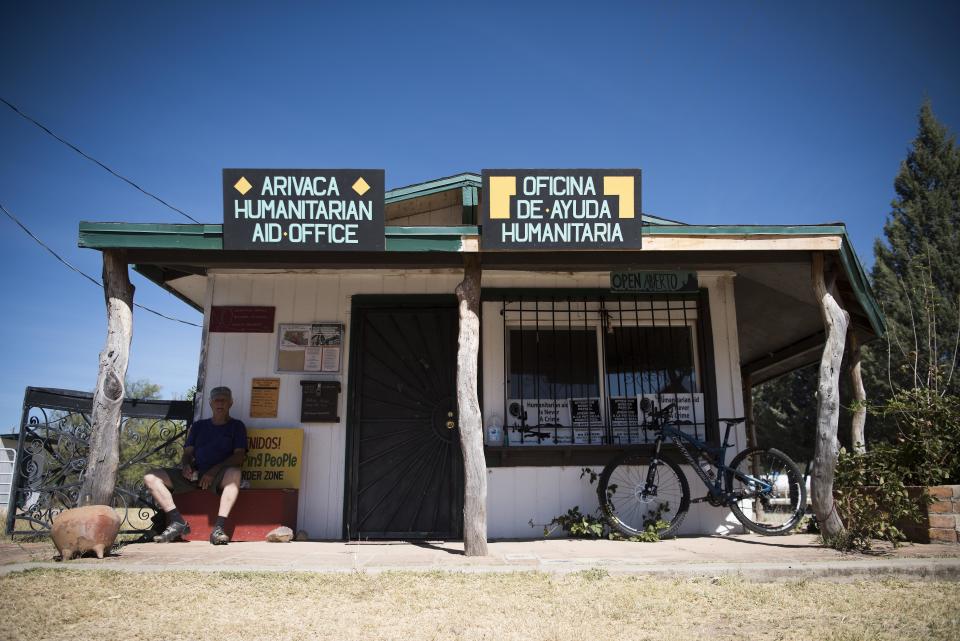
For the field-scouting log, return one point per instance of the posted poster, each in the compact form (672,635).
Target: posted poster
(544,412)
(273,458)
(688,409)
(585,412)
(538,422)
(310,347)
(264,397)
(625,420)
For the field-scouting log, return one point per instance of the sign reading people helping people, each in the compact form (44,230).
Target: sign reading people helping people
(273,458)
(527,209)
(303,209)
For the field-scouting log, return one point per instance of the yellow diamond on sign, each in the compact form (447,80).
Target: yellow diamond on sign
(361,186)
(243,186)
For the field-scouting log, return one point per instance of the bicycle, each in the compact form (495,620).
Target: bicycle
(639,490)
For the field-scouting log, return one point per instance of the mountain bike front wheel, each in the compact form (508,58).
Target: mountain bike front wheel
(770,496)
(633,507)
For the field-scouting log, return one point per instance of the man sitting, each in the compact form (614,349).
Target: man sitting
(212,457)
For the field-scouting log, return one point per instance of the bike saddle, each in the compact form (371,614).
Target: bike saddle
(732,421)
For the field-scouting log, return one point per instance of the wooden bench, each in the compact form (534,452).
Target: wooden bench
(256,512)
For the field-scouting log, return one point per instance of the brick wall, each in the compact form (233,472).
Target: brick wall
(944,514)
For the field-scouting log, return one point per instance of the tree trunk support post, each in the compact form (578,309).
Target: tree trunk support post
(468,404)
(100,477)
(835,321)
(857,436)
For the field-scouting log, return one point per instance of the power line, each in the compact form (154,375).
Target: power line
(84,274)
(94,160)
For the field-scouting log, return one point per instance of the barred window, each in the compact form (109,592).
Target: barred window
(576,369)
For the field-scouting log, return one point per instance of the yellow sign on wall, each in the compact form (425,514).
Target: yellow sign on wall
(273,458)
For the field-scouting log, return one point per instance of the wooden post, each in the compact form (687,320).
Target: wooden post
(835,321)
(859,419)
(100,478)
(468,404)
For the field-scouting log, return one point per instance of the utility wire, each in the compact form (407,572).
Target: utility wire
(94,160)
(84,274)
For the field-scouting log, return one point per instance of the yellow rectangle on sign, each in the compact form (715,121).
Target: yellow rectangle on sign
(273,458)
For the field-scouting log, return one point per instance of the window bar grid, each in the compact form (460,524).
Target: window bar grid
(641,432)
(506,374)
(553,380)
(691,373)
(625,362)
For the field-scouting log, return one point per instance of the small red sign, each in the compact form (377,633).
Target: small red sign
(250,320)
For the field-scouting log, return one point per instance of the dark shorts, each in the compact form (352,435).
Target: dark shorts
(181,485)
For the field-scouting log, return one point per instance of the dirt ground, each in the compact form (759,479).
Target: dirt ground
(591,605)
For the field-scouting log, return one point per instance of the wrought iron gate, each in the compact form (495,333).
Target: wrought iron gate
(52,456)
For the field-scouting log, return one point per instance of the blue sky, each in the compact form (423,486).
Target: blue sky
(737,112)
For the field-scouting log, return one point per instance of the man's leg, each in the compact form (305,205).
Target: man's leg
(229,489)
(159,482)
(230,486)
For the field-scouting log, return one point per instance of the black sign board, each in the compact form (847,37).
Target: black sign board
(318,402)
(650,282)
(303,209)
(526,209)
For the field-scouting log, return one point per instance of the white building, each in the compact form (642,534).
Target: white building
(556,342)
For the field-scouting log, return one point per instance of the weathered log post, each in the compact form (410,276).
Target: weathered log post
(468,403)
(835,321)
(100,477)
(859,420)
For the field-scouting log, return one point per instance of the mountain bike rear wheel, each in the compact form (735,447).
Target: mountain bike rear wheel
(631,507)
(771,496)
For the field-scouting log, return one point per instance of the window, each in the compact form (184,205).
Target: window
(576,369)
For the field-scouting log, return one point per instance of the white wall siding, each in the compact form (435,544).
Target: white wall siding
(516,496)
(233,359)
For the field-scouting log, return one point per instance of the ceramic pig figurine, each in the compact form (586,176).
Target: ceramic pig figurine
(91,528)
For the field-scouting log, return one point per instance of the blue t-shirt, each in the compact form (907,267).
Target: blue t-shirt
(212,444)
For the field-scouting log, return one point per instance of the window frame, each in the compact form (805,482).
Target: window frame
(700,342)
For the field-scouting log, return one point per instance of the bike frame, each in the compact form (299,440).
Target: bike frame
(715,455)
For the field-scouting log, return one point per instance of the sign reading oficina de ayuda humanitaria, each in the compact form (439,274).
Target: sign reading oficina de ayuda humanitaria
(303,209)
(561,209)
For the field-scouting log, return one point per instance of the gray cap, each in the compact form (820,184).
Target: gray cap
(218,392)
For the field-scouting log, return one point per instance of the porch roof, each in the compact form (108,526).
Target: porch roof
(778,318)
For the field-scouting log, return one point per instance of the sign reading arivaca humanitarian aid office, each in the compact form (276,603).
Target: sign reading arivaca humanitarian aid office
(273,458)
(303,209)
(529,209)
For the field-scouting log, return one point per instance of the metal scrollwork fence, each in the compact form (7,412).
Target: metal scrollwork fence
(52,457)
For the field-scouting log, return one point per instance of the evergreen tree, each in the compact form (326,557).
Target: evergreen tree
(916,276)
(916,279)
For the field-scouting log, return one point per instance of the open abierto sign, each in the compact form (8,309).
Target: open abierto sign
(273,458)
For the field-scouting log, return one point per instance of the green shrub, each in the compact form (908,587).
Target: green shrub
(870,489)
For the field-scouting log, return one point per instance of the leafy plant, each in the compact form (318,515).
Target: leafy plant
(872,499)
(871,489)
(593,526)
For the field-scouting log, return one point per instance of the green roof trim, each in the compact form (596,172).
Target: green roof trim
(150,236)
(861,286)
(450,239)
(432,187)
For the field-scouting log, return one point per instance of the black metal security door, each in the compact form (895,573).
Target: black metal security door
(406,470)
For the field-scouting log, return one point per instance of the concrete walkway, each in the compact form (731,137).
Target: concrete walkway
(751,556)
